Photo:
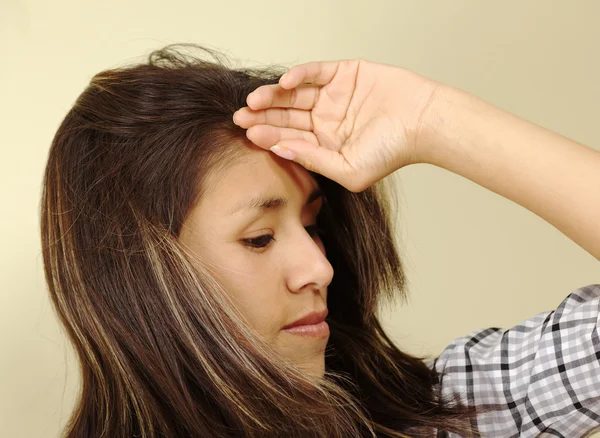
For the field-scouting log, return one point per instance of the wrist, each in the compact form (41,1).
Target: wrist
(442,124)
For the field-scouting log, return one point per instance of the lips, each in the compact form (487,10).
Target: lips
(311,318)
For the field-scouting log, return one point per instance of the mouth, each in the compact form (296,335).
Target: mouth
(318,330)
(312,317)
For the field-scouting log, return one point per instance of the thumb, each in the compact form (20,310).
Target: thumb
(314,158)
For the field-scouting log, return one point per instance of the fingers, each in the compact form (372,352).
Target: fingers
(266,136)
(316,73)
(328,163)
(265,96)
(280,117)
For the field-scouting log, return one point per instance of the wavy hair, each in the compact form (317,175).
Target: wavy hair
(163,352)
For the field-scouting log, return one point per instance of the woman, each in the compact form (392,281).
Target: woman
(355,121)
(182,258)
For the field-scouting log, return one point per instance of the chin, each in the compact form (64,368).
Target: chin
(316,369)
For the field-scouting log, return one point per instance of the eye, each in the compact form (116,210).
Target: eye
(264,240)
(259,242)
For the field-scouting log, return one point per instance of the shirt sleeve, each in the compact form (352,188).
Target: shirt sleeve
(541,377)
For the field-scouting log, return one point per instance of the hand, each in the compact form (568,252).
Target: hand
(352,121)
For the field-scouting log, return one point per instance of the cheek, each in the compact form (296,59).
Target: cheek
(252,283)
(261,308)
(256,295)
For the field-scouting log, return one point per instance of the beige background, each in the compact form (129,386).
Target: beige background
(474,259)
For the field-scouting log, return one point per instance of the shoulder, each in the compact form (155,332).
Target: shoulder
(542,373)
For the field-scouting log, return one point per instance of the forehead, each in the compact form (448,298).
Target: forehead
(256,172)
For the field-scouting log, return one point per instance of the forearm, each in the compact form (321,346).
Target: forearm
(556,178)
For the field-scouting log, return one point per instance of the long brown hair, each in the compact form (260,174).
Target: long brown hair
(163,351)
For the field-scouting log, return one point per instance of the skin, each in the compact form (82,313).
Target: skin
(275,285)
(357,121)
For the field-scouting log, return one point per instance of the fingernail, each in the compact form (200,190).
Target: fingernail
(282,152)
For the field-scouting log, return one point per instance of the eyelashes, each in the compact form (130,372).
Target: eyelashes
(264,240)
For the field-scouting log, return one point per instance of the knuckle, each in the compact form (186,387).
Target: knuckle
(293,97)
(309,165)
(285,117)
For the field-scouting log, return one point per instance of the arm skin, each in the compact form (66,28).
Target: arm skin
(556,178)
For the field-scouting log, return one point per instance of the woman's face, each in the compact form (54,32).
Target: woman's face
(273,281)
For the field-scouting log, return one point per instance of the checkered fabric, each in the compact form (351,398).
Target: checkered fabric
(542,376)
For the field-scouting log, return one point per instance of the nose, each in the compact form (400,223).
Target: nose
(309,265)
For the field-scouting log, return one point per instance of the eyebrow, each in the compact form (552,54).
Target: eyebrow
(272,202)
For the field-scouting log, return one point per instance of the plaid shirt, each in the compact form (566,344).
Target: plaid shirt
(542,375)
